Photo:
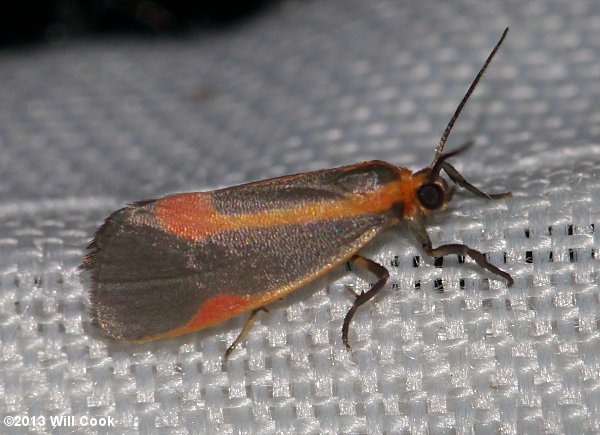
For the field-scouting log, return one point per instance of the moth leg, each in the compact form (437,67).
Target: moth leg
(244,332)
(458,249)
(464,250)
(460,180)
(381,273)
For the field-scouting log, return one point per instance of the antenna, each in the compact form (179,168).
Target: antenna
(440,148)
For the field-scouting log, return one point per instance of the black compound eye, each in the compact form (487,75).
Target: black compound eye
(432,196)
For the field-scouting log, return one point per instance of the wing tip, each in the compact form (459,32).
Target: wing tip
(91,263)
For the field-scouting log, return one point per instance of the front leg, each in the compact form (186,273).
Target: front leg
(458,249)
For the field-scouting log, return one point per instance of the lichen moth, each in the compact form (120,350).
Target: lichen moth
(184,262)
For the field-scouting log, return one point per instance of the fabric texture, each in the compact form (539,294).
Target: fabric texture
(444,348)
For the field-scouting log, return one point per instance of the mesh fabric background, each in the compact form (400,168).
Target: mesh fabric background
(87,127)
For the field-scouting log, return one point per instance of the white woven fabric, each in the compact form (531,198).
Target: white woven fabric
(87,127)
